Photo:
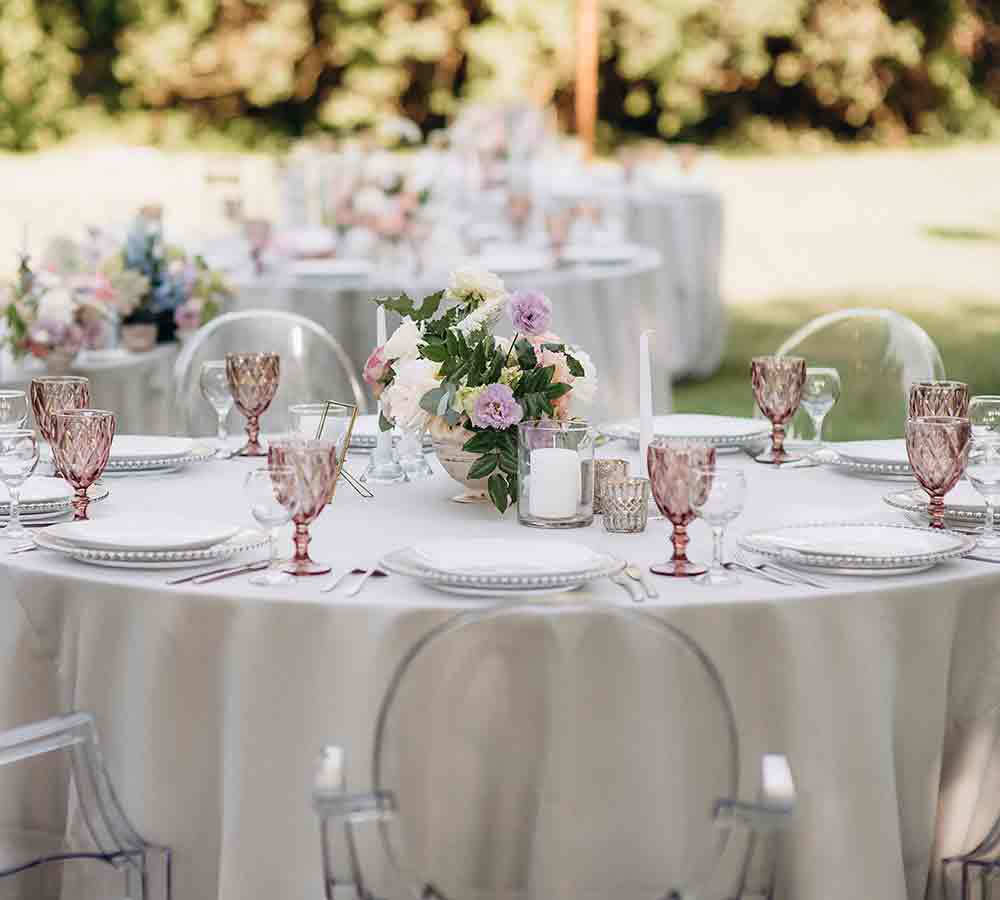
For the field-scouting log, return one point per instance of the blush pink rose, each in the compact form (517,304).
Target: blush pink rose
(375,371)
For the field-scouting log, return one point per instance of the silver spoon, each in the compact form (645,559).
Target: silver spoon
(636,574)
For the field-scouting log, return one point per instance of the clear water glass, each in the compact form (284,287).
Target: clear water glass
(819,395)
(718,494)
(270,509)
(984,416)
(411,452)
(214,385)
(18,458)
(983,472)
(13,410)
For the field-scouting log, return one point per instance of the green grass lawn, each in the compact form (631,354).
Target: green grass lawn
(966,332)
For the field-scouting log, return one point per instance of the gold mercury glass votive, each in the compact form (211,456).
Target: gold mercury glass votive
(605,471)
(626,505)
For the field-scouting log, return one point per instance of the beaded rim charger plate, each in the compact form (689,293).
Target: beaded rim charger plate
(717,431)
(859,548)
(872,459)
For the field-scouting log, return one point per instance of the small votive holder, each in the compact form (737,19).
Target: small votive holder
(555,474)
(606,470)
(626,505)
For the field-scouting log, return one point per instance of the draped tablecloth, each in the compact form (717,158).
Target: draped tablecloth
(213,701)
(600,308)
(137,386)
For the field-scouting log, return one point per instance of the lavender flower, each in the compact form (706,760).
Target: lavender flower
(530,311)
(497,408)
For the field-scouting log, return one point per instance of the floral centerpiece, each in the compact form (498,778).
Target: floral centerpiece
(181,292)
(445,370)
(52,318)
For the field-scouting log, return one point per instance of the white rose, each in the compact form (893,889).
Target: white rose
(401,399)
(471,282)
(371,202)
(383,169)
(584,386)
(405,341)
(57,305)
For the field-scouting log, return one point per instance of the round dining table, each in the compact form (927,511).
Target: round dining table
(214,701)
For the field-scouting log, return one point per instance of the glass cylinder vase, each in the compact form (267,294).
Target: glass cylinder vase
(555,474)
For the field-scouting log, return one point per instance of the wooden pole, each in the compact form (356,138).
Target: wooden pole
(586,73)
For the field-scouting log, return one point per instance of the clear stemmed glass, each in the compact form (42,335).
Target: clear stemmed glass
(777,387)
(253,382)
(938,398)
(819,394)
(938,448)
(672,465)
(411,452)
(18,458)
(271,508)
(983,472)
(81,449)
(13,410)
(214,384)
(717,497)
(984,415)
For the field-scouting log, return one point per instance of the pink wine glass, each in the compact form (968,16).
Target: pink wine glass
(673,468)
(253,382)
(81,449)
(50,394)
(938,448)
(777,387)
(939,398)
(314,467)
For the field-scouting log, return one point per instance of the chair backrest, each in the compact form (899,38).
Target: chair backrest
(879,354)
(313,366)
(532,751)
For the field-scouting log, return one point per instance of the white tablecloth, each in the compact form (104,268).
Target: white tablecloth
(601,308)
(213,701)
(137,387)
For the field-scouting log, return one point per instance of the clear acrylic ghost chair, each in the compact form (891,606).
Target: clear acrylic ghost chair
(545,751)
(879,354)
(313,367)
(99,853)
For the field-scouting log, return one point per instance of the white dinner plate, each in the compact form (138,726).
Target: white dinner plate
(600,254)
(515,261)
(331,268)
(858,547)
(245,540)
(39,489)
(963,506)
(501,568)
(145,533)
(148,446)
(717,431)
(872,459)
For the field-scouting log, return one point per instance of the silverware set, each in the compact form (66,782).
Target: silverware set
(213,575)
(634,582)
(355,588)
(776,574)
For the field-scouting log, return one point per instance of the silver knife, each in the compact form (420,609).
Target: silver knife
(243,570)
(205,574)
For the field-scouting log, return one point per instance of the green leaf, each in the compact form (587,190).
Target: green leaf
(555,391)
(481,442)
(405,306)
(498,492)
(431,401)
(526,358)
(383,423)
(483,466)
(575,368)
(435,352)
(508,462)
(512,488)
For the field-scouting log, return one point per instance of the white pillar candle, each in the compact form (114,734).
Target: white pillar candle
(330,770)
(645,400)
(555,483)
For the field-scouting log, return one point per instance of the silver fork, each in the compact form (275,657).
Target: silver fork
(791,574)
(356,588)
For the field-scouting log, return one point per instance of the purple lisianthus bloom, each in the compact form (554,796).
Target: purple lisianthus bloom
(530,311)
(497,408)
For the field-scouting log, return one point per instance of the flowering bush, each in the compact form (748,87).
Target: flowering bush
(446,370)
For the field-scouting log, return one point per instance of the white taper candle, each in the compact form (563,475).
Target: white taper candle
(645,399)
(380,336)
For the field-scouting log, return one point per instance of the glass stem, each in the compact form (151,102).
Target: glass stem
(272,546)
(718,533)
(818,429)
(989,529)
(14,522)
(221,433)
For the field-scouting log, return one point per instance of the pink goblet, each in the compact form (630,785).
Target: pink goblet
(673,467)
(51,394)
(81,449)
(938,448)
(939,398)
(314,466)
(777,387)
(253,382)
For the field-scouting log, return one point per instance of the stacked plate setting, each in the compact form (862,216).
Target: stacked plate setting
(489,567)
(166,542)
(964,509)
(858,548)
(721,432)
(151,453)
(872,459)
(45,500)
